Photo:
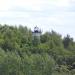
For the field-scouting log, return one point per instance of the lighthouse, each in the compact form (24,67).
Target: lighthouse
(36,36)
(37,32)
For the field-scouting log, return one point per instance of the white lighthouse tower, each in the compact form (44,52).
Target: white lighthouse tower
(37,32)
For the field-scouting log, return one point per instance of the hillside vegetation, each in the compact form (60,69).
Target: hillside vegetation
(21,55)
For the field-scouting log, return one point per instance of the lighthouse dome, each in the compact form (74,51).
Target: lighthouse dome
(36,29)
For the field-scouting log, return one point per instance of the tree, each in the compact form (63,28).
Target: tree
(67,41)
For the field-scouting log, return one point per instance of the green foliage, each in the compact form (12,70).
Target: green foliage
(67,41)
(21,54)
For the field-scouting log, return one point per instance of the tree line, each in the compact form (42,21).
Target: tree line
(21,55)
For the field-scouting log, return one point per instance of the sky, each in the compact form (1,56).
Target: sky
(57,15)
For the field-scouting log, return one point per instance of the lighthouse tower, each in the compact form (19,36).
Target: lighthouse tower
(36,32)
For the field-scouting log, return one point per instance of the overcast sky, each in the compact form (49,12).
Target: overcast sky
(58,15)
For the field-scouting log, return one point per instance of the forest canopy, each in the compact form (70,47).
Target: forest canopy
(20,54)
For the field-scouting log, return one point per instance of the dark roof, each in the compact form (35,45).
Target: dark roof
(36,30)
